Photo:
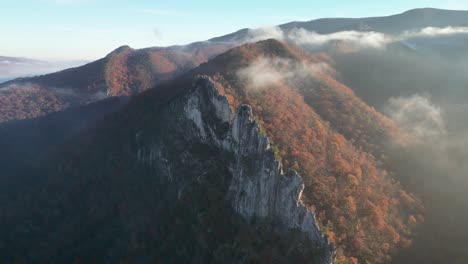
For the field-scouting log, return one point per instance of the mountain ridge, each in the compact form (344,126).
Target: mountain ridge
(408,20)
(310,105)
(127,71)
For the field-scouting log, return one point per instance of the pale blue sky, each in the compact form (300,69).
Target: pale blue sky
(89,29)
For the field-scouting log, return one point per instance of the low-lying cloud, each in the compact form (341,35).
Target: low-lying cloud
(441,151)
(10,69)
(265,72)
(304,37)
(355,39)
(63,93)
(417,116)
(435,32)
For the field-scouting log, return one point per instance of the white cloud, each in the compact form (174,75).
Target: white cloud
(265,72)
(435,32)
(14,69)
(303,37)
(417,116)
(356,38)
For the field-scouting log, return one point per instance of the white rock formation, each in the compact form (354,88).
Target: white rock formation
(259,188)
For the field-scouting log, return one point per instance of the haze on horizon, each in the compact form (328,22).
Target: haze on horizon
(89,29)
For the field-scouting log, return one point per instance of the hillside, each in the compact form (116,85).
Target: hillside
(125,71)
(321,129)
(346,186)
(25,143)
(182,172)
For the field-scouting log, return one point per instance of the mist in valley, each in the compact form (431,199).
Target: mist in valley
(425,92)
(12,68)
(419,79)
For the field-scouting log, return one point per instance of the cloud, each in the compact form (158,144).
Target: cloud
(10,69)
(355,38)
(417,116)
(304,37)
(265,72)
(25,87)
(434,32)
(435,154)
(62,93)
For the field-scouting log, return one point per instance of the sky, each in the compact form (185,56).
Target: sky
(90,29)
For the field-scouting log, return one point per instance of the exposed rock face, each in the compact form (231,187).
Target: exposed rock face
(258,188)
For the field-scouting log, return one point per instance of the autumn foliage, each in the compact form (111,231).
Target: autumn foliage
(329,136)
(28,102)
(125,71)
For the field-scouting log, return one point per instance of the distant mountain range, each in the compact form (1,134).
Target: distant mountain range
(14,67)
(396,24)
(126,71)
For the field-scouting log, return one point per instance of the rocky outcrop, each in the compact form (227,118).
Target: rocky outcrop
(258,188)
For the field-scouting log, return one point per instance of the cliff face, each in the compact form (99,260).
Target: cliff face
(258,188)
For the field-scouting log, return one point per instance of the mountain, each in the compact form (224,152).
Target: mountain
(450,46)
(305,111)
(396,24)
(286,147)
(178,141)
(25,143)
(125,71)
(422,86)
(199,187)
